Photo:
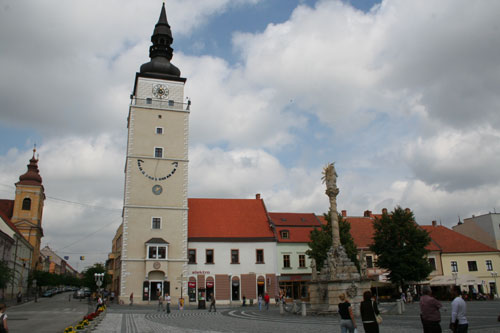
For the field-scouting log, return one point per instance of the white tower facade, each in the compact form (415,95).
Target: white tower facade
(155,210)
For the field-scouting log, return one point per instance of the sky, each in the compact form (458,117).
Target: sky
(402,95)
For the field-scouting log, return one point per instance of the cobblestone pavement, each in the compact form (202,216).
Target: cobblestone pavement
(482,316)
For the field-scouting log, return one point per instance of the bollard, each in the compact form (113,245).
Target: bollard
(304,313)
(282,310)
(399,307)
(403,306)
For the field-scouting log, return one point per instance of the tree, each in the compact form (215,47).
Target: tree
(321,241)
(400,245)
(5,274)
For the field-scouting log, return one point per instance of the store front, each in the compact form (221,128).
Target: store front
(192,289)
(210,288)
(261,286)
(295,286)
(235,289)
(155,286)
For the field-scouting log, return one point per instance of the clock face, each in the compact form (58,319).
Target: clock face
(160,91)
(157,189)
(140,165)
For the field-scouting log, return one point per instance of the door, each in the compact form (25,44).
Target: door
(235,292)
(155,287)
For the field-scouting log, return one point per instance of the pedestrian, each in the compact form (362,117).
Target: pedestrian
(260,302)
(112,297)
(244,300)
(212,303)
(99,302)
(347,321)
(429,312)
(160,300)
(459,323)
(168,299)
(3,319)
(403,297)
(369,311)
(131,299)
(409,298)
(266,300)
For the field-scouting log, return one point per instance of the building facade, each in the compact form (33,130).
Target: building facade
(484,228)
(154,239)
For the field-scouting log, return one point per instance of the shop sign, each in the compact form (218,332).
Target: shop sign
(192,284)
(210,284)
(200,272)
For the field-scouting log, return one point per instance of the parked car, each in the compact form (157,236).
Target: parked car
(48,293)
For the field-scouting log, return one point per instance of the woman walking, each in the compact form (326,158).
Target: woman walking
(3,319)
(369,310)
(347,322)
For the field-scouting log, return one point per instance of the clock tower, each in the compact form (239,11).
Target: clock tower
(154,248)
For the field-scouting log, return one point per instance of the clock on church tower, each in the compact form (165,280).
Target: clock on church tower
(154,248)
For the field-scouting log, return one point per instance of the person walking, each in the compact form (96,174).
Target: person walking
(131,299)
(459,323)
(369,311)
(260,302)
(4,328)
(266,300)
(429,312)
(212,303)
(347,321)
(160,301)
(168,299)
(100,302)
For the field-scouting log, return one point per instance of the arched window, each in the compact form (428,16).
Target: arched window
(26,204)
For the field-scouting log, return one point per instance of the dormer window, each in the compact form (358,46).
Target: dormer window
(157,249)
(26,204)
(285,234)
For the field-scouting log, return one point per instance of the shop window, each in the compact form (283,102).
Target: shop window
(192,256)
(235,256)
(302,260)
(209,256)
(27,204)
(286,261)
(472,266)
(260,256)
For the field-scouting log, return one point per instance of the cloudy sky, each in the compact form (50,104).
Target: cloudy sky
(402,95)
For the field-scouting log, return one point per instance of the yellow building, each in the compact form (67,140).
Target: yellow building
(113,264)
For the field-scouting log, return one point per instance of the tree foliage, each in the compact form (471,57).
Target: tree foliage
(5,274)
(321,241)
(400,245)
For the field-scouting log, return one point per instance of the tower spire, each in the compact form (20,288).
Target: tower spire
(161,51)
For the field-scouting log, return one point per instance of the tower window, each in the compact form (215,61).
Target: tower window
(156,223)
(158,152)
(149,100)
(170,102)
(159,130)
(27,204)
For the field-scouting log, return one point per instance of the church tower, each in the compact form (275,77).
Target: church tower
(28,207)
(154,250)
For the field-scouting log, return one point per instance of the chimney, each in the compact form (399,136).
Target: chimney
(434,223)
(384,210)
(257,196)
(344,213)
(367,213)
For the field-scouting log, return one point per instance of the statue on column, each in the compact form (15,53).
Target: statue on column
(330,179)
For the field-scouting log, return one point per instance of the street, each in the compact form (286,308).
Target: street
(48,315)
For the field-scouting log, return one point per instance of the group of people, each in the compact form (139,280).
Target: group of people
(430,312)
(266,300)
(166,298)
(370,315)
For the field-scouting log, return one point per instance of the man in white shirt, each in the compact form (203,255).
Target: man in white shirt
(168,299)
(459,322)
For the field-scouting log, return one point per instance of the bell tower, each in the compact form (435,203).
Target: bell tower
(28,207)
(154,248)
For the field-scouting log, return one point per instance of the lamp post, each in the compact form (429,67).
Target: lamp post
(98,280)
(494,275)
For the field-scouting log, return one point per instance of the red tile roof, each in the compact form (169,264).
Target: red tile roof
(294,219)
(361,230)
(228,220)
(4,209)
(7,206)
(453,242)
(295,234)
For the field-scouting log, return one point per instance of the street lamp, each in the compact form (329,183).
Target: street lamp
(98,280)
(494,275)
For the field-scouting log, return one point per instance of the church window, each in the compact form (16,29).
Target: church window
(27,204)
(158,152)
